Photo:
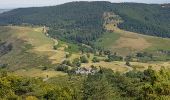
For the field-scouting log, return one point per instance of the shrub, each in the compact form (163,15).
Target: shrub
(62,67)
(67,62)
(76,62)
(128,63)
(55,47)
(95,59)
(88,55)
(84,59)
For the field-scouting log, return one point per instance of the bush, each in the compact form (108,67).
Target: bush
(88,55)
(3,66)
(128,63)
(95,59)
(68,55)
(107,52)
(114,58)
(67,62)
(55,47)
(76,62)
(45,68)
(63,68)
(84,59)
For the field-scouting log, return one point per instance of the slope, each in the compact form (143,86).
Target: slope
(125,42)
(82,22)
(30,48)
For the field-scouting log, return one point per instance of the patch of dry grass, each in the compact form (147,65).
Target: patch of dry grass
(42,44)
(115,66)
(128,42)
(39,73)
(155,65)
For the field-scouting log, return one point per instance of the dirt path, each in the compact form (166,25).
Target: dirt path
(129,69)
(46,47)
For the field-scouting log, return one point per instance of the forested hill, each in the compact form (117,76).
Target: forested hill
(83,21)
(146,19)
(4,10)
(77,21)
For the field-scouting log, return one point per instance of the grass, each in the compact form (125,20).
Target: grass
(158,43)
(121,67)
(34,72)
(125,42)
(19,57)
(115,66)
(31,48)
(156,65)
(108,39)
(69,47)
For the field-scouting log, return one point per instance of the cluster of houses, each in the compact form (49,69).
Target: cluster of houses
(86,71)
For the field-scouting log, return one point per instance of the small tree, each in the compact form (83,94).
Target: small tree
(62,67)
(88,55)
(76,62)
(95,59)
(107,52)
(45,68)
(100,53)
(128,63)
(55,47)
(84,59)
(67,62)
(68,55)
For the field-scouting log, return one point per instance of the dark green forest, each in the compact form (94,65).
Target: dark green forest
(145,19)
(82,22)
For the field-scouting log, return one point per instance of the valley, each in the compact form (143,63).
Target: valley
(85,51)
(40,47)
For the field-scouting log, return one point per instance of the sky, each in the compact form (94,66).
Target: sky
(36,3)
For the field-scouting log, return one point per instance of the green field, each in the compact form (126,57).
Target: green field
(107,39)
(159,43)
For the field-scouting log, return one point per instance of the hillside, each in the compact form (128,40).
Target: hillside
(27,47)
(86,51)
(72,21)
(4,10)
(145,19)
(125,42)
(82,22)
(34,69)
(27,50)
